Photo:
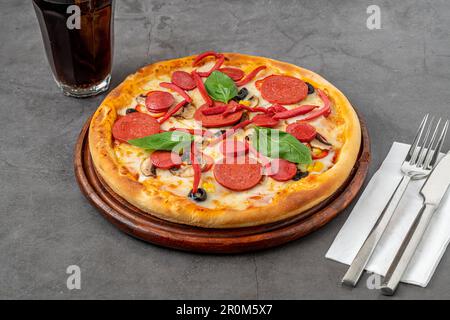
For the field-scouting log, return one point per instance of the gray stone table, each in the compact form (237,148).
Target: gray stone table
(392,75)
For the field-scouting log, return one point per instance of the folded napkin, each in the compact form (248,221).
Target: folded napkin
(369,207)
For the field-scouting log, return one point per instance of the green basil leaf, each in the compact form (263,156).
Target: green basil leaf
(279,144)
(169,140)
(220,87)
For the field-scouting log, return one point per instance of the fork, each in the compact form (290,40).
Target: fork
(420,160)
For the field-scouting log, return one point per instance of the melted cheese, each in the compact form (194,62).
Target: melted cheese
(218,196)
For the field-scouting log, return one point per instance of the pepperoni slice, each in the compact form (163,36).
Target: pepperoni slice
(264,120)
(216,120)
(158,101)
(238,176)
(234,73)
(233,147)
(135,125)
(283,89)
(303,131)
(165,159)
(184,80)
(282,170)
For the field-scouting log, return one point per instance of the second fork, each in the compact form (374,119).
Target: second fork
(419,161)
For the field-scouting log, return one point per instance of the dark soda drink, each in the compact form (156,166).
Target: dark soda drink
(78,41)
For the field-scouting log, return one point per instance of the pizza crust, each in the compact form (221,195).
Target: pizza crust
(295,199)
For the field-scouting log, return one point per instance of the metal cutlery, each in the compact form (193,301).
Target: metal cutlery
(432,192)
(419,161)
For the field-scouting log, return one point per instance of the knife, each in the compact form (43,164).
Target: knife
(432,192)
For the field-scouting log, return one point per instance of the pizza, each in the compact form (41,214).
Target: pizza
(224,140)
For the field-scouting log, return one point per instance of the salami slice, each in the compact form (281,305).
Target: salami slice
(216,120)
(238,176)
(158,101)
(282,170)
(234,73)
(135,125)
(283,89)
(165,159)
(183,79)
(233,147)
(303,131)
(264,120)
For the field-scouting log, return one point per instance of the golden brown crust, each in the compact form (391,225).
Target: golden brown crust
(296,198)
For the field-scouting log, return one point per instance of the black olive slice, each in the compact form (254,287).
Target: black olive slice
(199,196)
(241,94)
(300,175)
(310,88)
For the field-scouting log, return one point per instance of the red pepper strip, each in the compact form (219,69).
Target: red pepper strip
(241,125)
(196,167)
(259,156)
(171,112)
(237,107)
(294,112)
(202,56)
(325,110)
(201,88)
(321,155)
(231,131)
(197,132)
(217,65)
(215,110)
(276,108)
(256,109)
(177,89)
(250,76)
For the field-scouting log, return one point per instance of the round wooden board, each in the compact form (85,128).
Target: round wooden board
(164,233)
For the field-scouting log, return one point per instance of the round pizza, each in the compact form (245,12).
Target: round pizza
(224,140)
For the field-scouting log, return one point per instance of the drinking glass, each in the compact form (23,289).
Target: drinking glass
(78,40)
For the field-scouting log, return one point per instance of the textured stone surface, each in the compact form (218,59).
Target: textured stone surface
(393,76)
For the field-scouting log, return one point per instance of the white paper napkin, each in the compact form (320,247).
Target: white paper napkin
(369,207)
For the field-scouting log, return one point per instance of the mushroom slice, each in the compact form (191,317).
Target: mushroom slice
(140,99)
(185,171)
(147,168)
(322,139)
(254,101)
(187,112)
(244,117)
(206,143)
(318,144)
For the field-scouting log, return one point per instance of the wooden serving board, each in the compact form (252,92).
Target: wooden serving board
(149,228)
